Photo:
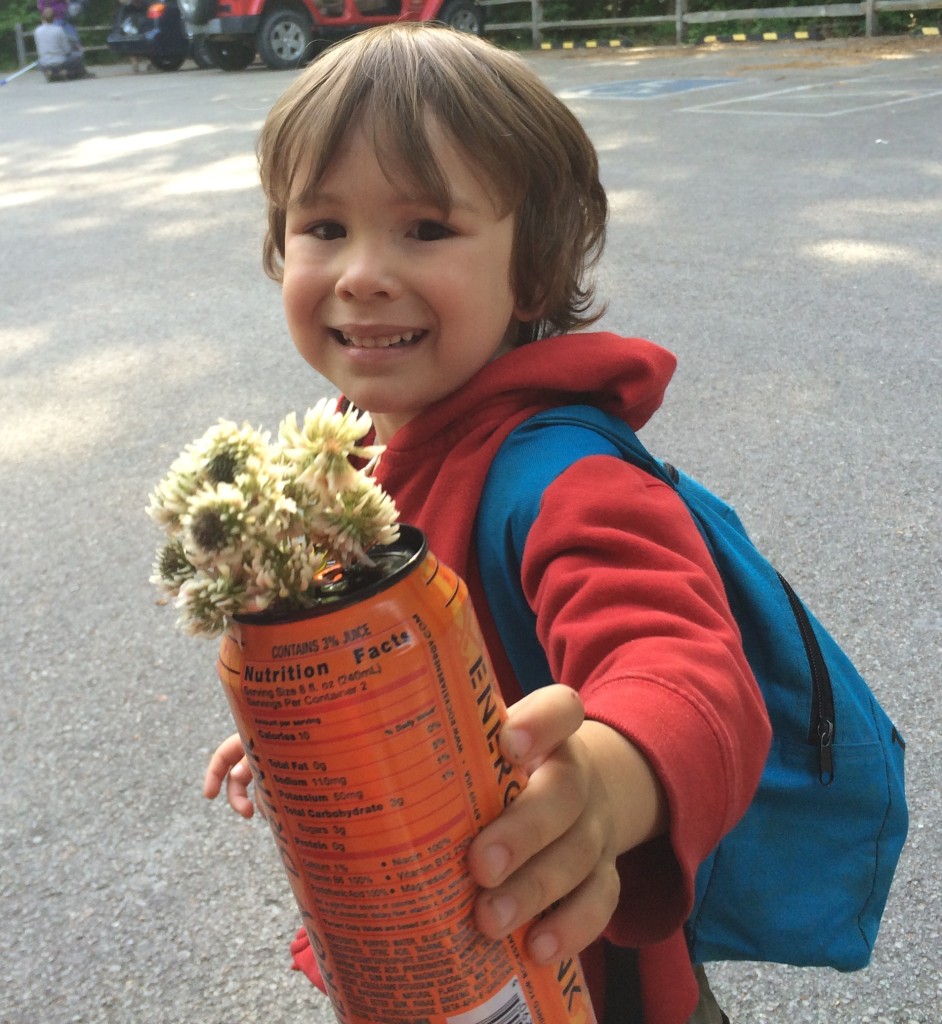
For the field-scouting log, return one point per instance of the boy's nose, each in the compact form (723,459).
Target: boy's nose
(367,274)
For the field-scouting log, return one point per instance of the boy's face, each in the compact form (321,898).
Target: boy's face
(392,301)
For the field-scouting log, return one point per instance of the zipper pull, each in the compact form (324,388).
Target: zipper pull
(825,752)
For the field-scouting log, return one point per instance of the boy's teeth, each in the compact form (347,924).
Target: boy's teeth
(381,341)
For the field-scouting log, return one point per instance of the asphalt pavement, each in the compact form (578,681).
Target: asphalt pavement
(777,221)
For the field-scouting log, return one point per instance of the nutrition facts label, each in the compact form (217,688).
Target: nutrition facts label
(374,746)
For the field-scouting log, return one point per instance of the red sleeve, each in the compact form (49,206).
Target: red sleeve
(632,613)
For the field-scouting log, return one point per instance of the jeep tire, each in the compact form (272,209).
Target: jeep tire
(197,12)
(199,51)
(167,63)
(230,56)
(465,17)
(284,39)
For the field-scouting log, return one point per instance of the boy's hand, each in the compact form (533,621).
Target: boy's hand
(229,764)
(591,796)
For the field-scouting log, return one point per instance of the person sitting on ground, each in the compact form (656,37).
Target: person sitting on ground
(58,55)
(63,11)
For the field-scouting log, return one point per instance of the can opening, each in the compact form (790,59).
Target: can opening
(337,586)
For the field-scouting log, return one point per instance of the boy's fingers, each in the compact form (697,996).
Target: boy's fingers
(548,808)
(229,764)
(540,722)
(237,791)
(578,920)
(212,781)
(225,756)
(557,873)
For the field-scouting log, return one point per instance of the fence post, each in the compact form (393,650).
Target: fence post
(679,13)
(20,45)
(536,16)
(870,18)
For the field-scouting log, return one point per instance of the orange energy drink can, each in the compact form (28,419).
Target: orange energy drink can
(372,725)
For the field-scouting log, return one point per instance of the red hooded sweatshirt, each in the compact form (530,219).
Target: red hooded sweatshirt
(634,616)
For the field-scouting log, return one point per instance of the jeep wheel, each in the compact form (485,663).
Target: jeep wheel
(198,12)
(230,56)
(199,51)
(284,39)
(465,17)
(167,63)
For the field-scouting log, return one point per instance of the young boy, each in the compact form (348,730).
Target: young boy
(433,211)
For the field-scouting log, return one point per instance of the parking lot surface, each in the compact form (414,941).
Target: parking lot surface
(776,221)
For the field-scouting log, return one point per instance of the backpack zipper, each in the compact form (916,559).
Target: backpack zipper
(822,725)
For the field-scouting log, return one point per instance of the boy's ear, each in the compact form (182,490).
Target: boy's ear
(527,312)
(526,321)
(526,316)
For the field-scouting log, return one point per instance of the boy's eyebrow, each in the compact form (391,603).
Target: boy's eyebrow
(316,197)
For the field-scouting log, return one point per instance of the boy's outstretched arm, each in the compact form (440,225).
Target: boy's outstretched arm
(229,765)
(591,796)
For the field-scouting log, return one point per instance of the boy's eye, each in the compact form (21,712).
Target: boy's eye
(431,231)
(327,230)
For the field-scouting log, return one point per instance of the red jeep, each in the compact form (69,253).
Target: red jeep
(287,33)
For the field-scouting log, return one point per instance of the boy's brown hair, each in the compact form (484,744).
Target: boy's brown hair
(528,146)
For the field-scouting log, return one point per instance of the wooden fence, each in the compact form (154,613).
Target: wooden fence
(681,17)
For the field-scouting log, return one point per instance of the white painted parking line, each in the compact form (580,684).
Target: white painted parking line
(641,88)
(824,99)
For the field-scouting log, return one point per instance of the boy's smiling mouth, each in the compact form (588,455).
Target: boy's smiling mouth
(402,339)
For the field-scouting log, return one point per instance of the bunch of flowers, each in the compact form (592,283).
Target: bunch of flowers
(253,526)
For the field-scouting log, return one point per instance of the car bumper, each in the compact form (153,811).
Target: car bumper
(146,44)
(234,28)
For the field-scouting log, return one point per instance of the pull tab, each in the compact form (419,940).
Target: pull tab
(825,752)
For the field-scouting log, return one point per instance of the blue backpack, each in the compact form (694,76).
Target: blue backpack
(803,877)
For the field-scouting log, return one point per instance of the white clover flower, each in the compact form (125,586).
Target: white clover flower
(171,568)
(318,453)
(271,512)
(225,450)
(252,526)
(359,518)
(171,497)
(263,577)
(207,603)
(214,525)
(301,563)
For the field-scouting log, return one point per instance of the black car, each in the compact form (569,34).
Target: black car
(156,32)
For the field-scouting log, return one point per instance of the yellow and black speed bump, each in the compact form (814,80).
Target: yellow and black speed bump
(763,37)
(588,44)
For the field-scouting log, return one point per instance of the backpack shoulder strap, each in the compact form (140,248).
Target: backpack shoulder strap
(532,456)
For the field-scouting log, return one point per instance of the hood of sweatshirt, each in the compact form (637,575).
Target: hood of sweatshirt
(436,465)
